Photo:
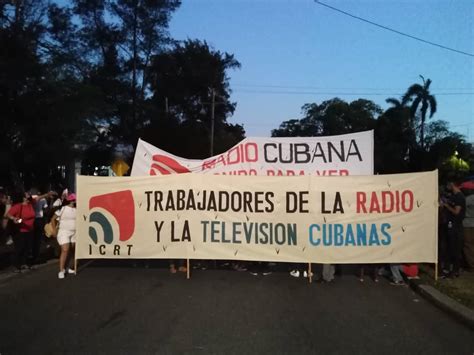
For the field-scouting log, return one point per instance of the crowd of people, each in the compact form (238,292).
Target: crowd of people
(26,213)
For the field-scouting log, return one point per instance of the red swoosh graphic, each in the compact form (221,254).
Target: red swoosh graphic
(166,165)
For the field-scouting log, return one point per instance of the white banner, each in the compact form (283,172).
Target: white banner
(351,219)
(349,154)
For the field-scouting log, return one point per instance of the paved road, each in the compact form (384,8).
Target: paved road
(124,310)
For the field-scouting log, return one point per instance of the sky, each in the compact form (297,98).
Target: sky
(294,52)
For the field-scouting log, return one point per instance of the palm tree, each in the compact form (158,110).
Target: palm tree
(420,94)
(396,103)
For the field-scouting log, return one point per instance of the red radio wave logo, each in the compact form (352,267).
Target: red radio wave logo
(163,165)
(121,206)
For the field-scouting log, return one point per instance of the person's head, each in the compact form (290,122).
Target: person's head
(18,197)
(3,196)
(70,200)
(28,195)
(453,186)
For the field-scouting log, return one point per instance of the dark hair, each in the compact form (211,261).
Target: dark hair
(17,196)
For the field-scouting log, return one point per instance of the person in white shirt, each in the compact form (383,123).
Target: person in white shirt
(67,234)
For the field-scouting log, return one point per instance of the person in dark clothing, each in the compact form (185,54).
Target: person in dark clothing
(443,239)
(455,208)
(3,219)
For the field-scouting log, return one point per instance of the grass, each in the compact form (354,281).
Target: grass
(460,289)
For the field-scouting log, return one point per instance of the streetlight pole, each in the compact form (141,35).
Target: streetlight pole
(213,105)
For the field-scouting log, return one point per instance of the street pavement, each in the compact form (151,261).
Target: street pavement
(113,308)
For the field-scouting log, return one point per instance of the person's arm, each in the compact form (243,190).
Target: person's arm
(454,210)
(39,197)
(12,212)
(4,220)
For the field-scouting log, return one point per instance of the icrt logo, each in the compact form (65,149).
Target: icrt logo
(111,218)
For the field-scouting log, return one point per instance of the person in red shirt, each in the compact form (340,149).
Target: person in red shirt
(22,215)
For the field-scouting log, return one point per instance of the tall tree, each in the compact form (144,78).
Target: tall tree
(122,36)
(394,139)
(418,95)
(332,117)
(186,80)
(42,100)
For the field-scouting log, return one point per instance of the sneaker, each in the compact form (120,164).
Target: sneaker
(295,273)
(254,273)
(196,266)
(266,273)
(32,267)
(305,274)
(17,271)
(71,271)
(413,277)
(61,275)
(9,241)
(238,267)
(397,283)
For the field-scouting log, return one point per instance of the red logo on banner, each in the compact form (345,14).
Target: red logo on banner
(121,206)
(163,165)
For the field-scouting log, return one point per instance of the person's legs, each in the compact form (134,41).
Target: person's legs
(328,272)
(458,246)
(70,259)
(181,266)
(443,248)
(37,239)
(173,266)
(63,257)
(469,246)
(396,270)
(296,269)
(254,268)
(375,272)
(454,249)
(265,268)
(361,273)
(19,244)
(28,248)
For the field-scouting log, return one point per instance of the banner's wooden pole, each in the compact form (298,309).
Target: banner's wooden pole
(436,272)
(187,269)
(310,275)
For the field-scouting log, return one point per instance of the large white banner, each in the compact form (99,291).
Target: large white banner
(349,154)
(351,219)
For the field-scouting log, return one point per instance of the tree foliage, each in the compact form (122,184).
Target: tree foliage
(419,96)
(183,83)
(82,77)
(397,148)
